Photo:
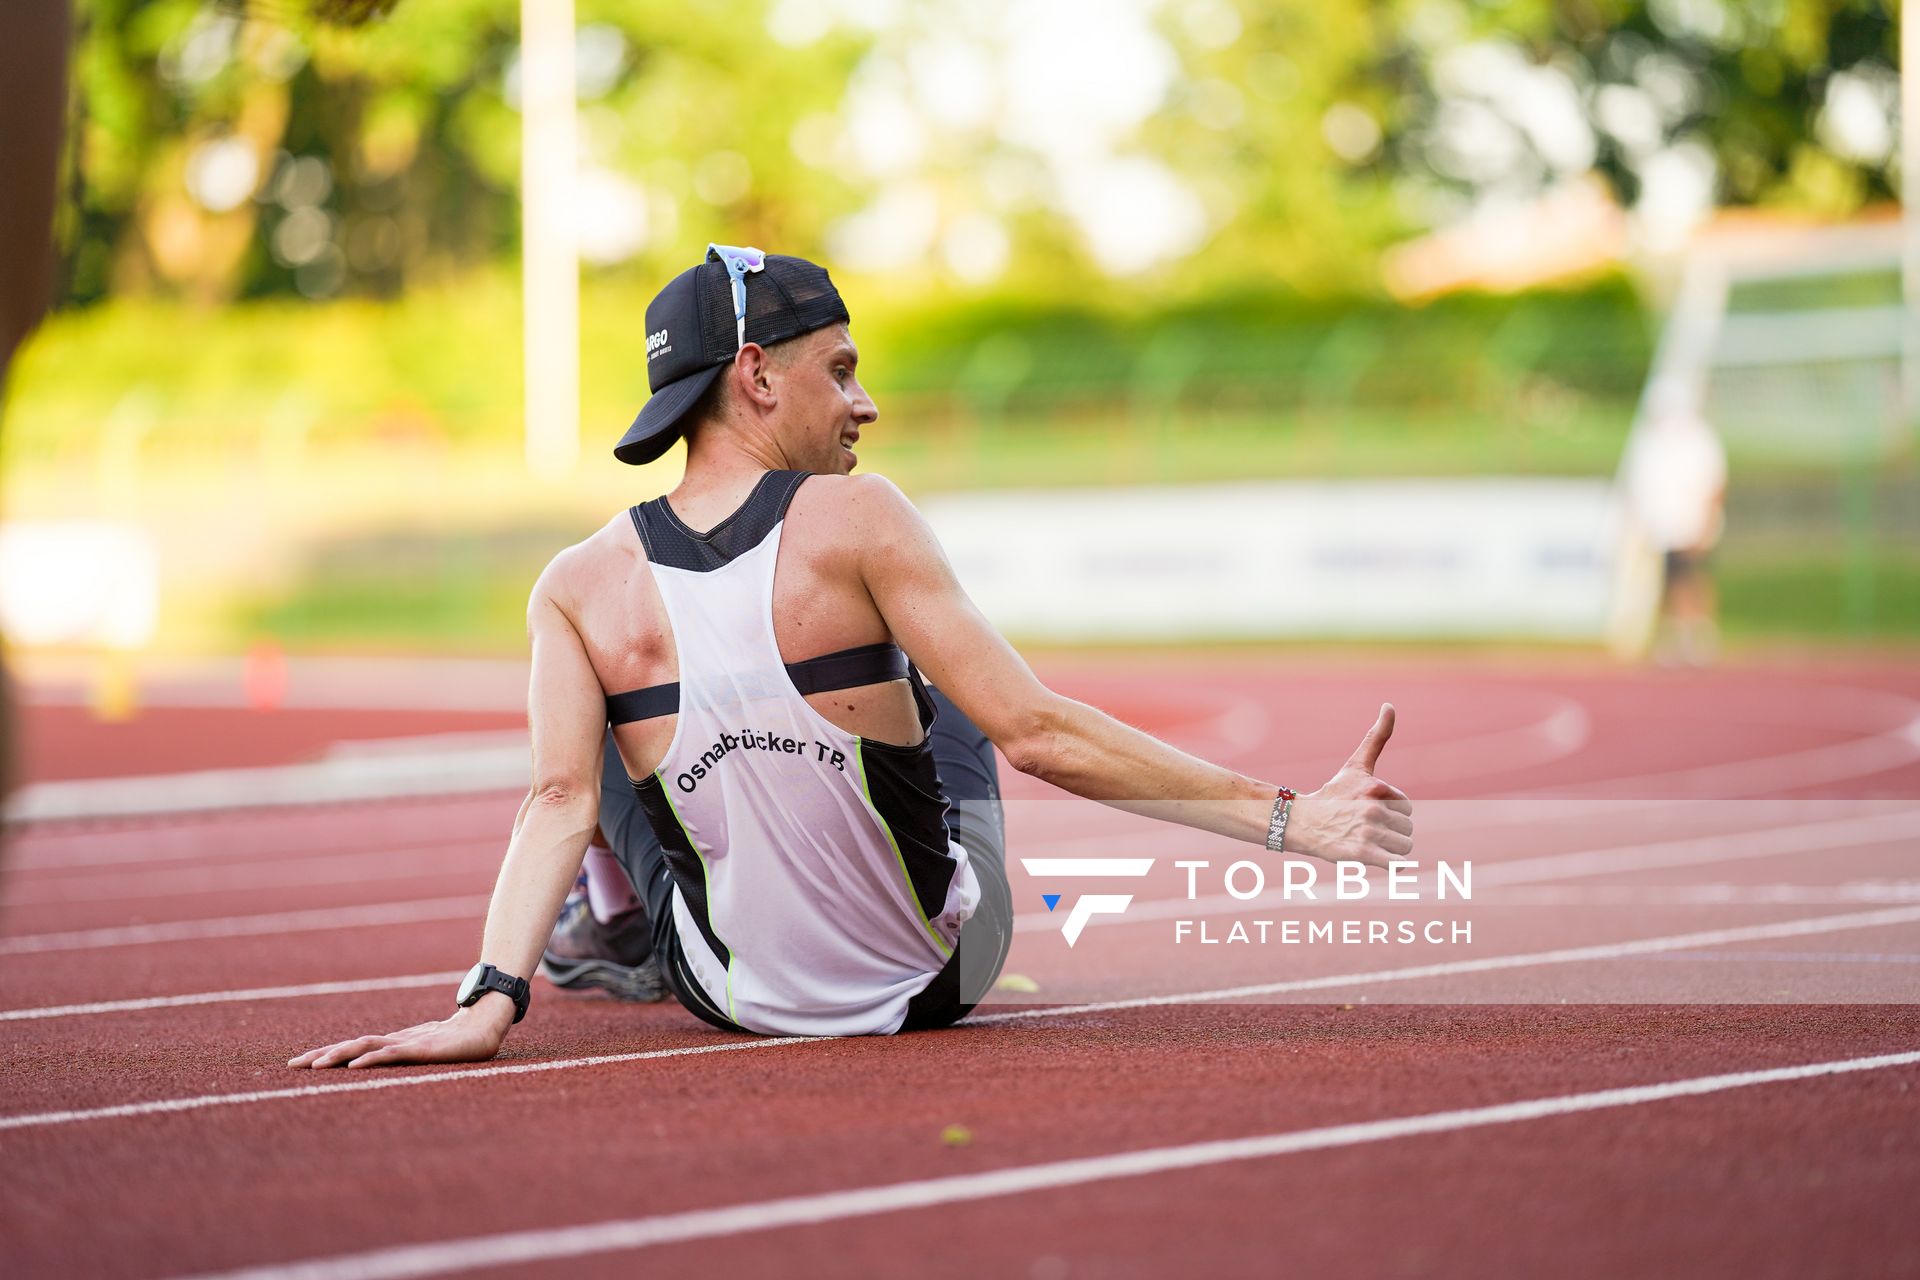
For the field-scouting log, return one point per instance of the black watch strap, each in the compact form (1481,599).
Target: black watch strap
(483,978)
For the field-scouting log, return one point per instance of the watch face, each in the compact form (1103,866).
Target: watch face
(470,985)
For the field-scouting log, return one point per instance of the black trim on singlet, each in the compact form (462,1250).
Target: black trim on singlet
(904,785)
(669,542)
(689,874)
(846,669)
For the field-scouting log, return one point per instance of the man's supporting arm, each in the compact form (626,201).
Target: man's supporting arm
(568,716)
(1081,749)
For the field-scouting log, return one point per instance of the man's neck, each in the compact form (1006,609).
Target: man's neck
(722,469)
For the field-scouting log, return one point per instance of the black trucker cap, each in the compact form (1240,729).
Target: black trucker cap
(693,331)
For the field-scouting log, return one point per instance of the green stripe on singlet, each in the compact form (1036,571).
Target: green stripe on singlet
(706,878)
(860,760)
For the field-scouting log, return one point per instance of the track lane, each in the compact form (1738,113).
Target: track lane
(1241,1056)
(1587,974)
(1736,1187)
(1179,1075)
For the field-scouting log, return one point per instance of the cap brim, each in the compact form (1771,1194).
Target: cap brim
(659,423)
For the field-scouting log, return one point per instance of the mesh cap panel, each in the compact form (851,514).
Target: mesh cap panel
(787,298)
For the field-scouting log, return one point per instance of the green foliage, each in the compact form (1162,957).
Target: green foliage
(462,596)
(1747,80)
(1246,126)
(414,119)
(1311,134)
(444,364)
(1274,348)
(1808,597)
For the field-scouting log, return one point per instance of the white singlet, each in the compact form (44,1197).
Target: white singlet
(816,890)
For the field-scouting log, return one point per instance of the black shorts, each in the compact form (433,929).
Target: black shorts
(1682,565)
(969,775)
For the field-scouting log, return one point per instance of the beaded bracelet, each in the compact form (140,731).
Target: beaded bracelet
(1277,825)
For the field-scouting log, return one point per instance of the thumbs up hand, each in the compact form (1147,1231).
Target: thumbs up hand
(1356,817)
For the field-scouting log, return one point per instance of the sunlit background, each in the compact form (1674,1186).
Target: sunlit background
(1399,274)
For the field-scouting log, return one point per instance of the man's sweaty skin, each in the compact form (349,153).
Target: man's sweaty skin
(857,565)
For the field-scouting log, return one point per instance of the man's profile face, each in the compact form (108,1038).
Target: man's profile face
(822,404)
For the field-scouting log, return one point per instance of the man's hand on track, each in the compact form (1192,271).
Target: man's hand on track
(468,1036)
(1357,817)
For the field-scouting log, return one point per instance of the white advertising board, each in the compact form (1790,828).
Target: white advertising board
(78,582)
(1472,557)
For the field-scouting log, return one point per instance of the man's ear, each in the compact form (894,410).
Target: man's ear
(753,376)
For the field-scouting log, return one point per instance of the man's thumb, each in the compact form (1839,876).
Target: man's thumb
(1367,754)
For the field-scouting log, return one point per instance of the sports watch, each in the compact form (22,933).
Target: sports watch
(483,978)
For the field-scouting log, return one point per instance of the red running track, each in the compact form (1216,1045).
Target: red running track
(198,1172)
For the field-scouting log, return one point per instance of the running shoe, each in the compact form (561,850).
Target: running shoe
(616,957)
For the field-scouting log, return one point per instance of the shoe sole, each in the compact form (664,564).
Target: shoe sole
(640,984)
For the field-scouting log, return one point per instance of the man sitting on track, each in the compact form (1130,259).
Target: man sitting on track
(790,839)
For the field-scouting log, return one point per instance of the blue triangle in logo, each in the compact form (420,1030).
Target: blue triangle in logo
(1051,899)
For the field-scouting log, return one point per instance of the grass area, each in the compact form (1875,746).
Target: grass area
(471,611)
(467,596)
(1562,436)
(441,367)
(368,452)
(1825,598)
(459,614)
(463,594)
(1876,288)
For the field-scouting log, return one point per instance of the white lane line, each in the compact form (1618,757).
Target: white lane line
(237,834)
(135,935)
(1771,895)
(1641,946)
(1876,751)
(1486,964)
(167,1105)
(345,780)
(519,1248)
(367,915)
(436,862)
(1564,728)
(430,765)
(1850,892)
(1798,957)
(405,912)
(329,684)
(349,987)
(1766,842)
(1562,731)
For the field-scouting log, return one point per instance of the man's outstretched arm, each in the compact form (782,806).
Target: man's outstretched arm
(568,717)
(1081,749)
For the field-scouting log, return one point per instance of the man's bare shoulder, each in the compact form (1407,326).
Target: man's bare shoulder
(862,506)
(606,555)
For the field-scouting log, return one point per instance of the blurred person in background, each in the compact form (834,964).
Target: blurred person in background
(1676,484)
(810,847)
(34,38)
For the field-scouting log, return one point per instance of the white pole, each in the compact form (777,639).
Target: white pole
(550,262)
(1910,217)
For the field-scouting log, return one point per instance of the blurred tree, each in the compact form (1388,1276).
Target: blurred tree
(233,149)
(1680,104)
(1276,124)
(243,147)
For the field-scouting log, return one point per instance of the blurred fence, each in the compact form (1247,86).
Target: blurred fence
(1795,341)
